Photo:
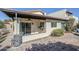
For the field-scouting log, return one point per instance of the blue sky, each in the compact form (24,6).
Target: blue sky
(75,11)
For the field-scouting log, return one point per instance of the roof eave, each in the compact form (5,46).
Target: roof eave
(11,13)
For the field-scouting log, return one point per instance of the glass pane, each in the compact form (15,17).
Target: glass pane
(54,24)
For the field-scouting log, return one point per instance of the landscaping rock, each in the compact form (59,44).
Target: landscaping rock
(58,46)
(17,40)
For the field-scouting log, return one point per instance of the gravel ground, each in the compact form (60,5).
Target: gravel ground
(68,39)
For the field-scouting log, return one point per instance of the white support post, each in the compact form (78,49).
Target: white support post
(17,25)
(16,17)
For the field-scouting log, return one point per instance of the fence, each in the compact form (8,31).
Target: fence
(3,36)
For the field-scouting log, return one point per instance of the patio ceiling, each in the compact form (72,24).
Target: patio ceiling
(20,14)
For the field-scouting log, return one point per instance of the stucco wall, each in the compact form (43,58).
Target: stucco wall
(34,36)
(40,35)
(35,23)
(49,29)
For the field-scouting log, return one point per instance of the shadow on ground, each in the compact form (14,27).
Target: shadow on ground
(58,46)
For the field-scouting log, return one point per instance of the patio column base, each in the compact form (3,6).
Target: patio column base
(16,41)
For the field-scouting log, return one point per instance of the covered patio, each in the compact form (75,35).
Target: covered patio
(27,23)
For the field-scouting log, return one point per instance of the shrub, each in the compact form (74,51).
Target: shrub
(2,24)
(78,25)
(70,24)
(57,32)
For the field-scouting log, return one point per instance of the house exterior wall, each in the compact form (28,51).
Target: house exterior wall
(49,29)
(34,28)
(35,23)
(59,24)
(39,35)
(35,31)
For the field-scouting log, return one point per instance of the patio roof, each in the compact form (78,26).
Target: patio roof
(20,14)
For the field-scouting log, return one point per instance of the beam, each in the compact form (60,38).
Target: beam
(16,18)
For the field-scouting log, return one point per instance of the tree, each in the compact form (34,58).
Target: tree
(2,24)
(77,25)
(69,24)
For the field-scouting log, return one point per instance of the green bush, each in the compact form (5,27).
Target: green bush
(78,25)
(57,32)
(2,24)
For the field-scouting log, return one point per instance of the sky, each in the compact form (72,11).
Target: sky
(75,11)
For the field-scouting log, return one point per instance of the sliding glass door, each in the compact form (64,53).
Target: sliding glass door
(25,28)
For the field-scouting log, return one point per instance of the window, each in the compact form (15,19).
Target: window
(42,24)
(63,25)
(53,24)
